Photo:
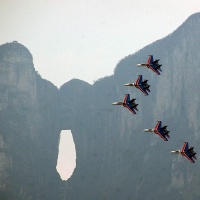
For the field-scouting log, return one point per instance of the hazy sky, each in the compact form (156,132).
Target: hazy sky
(85,39)
(66,162)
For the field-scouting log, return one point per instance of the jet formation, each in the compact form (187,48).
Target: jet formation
(130,104)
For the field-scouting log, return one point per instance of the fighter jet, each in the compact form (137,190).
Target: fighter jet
(187,152)
(161,131)
(130,104)
(152,64)
(142,85)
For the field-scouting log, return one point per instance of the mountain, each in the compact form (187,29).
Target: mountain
(115,158)
(29,130)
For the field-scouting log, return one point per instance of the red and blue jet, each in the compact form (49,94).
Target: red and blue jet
(152,64)
(161,131)
(187,152)
(141,85)
(128,103)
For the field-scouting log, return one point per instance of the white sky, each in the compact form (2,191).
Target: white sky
(85,39)
(66,162)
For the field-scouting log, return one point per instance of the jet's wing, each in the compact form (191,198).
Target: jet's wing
(159,125)
(159,131)
(185,147)
(150,59)
(130,108)
(153,68)
(139,80)
(126,99)
(140,87)
(185,153)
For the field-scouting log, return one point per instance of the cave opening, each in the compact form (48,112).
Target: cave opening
(66,162)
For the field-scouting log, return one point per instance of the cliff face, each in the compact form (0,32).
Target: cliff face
(29,131)
(115,158)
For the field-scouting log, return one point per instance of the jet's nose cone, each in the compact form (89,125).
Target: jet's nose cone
(148,130)
(129,84)
(176,152)
(117,103)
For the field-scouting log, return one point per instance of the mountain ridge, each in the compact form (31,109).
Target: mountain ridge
(117,130)
(115,159)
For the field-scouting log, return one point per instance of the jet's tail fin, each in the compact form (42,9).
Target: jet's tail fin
(148,90)
(132,100)
(167,135)
(158,67)
(156,61)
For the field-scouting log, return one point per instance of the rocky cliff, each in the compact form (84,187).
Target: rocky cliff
(115,158)
(29,130)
